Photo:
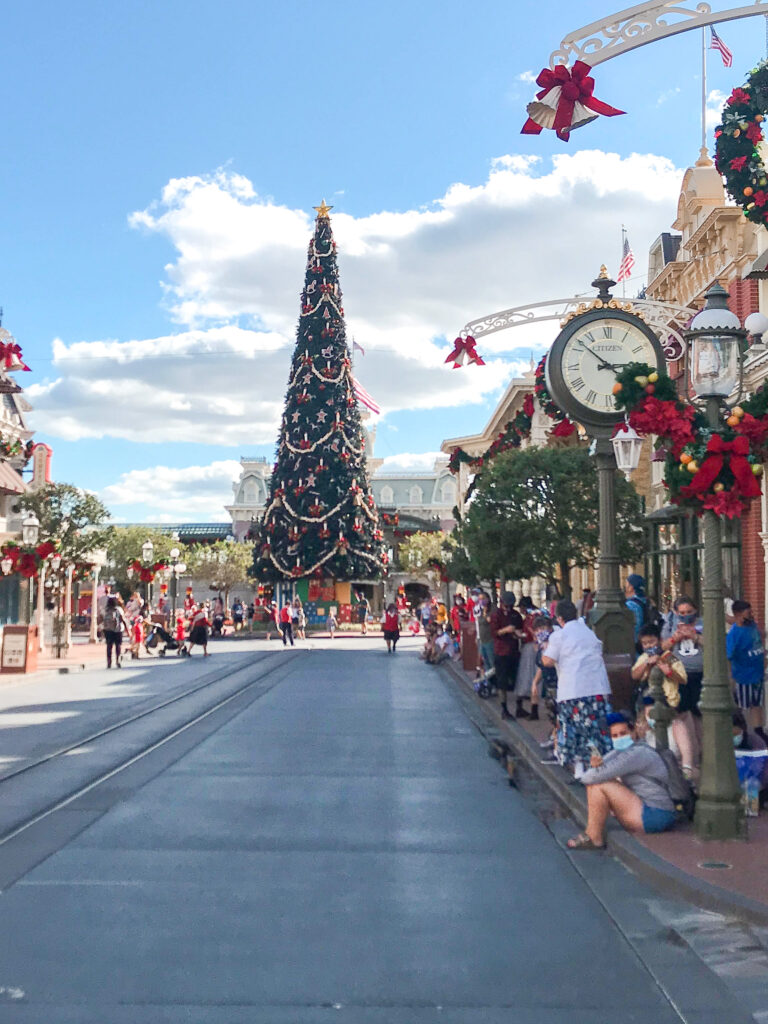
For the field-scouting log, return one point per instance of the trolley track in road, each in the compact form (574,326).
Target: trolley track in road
(275,663)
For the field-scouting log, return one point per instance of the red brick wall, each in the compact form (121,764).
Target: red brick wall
(753,561)
(742,297)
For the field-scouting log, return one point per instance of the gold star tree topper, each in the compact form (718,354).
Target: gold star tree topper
(322,211)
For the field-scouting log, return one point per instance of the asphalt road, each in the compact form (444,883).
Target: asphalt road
(337,847)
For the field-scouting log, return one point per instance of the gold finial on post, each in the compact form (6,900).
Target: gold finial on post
(603,273)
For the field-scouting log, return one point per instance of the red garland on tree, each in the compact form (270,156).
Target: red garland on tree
(320,517)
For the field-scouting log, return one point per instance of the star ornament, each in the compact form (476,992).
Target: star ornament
(323,210)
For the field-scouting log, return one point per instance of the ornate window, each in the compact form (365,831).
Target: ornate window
(448,492)
(387,495)
(416,495)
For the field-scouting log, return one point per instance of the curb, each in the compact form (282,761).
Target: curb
(666,877)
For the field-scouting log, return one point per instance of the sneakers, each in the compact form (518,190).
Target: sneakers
(548,744)
(505,714)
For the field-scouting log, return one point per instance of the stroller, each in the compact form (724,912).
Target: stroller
(161,640)
(484,685)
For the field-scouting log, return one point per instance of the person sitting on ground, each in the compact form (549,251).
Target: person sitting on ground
(745,739)
(631,783)
(744,647)
(671,667)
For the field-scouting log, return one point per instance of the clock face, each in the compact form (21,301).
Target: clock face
(595,353)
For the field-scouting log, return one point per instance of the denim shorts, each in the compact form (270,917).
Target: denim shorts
(656,819)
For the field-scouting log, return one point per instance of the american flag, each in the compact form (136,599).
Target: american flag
(364,398)
(358,347)
(627,262)
(718,44)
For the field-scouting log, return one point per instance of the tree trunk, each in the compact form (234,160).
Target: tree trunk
(565,580)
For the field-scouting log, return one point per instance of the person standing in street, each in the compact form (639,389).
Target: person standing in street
(198,631)
(506,631)
(363,608)
(391,623)
(583,690)
(286,624)
(113,625)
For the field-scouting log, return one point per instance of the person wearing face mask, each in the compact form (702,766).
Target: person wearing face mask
(630,782)
(744,647)
(671,667)
(682,634)
(545,680)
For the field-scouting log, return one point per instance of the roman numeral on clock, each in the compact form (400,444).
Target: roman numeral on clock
(607,332)
(577,383)
(591,396)
(639,348)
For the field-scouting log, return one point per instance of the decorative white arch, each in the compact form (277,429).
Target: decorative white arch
(642,24)
(666,318)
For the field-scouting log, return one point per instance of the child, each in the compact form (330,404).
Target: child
(744,647)
(137,636)
(180,633)
(332,622)
(545,677)
(673,669)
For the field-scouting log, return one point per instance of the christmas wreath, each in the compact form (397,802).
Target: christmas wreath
(703,468)
(26,561)
(739,154)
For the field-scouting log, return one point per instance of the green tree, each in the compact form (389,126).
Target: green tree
(320,517)
(78,520)
(124,545)
(535,513)
(416,552)
(224,564)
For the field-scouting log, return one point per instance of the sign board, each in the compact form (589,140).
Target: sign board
(14,657)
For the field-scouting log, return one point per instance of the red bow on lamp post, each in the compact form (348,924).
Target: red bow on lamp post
(565,102)
(464,351)
(717,449)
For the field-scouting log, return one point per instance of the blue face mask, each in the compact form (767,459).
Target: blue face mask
(651,722)
(737,739)
(622,742)
(688,620)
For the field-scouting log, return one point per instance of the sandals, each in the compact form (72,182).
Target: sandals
(583,842)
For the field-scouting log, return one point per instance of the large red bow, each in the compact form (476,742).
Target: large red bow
(464,351)
(576,86)
(709,471)
(10,355)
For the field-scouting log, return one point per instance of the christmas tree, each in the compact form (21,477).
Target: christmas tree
(321,519)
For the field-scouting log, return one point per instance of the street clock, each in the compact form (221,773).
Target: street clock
(595,344)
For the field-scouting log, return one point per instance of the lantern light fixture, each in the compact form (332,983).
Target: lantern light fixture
(147,550)
(30,530)
(627,446)
(757,326)
(6,564)
(56,562)
(715,336)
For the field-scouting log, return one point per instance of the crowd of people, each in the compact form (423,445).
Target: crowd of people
(532,656)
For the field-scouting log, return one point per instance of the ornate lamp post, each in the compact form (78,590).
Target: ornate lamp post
(147,550)
(177,569)
(715,337)
(30,531)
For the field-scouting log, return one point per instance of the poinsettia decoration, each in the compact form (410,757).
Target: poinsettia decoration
(704,468)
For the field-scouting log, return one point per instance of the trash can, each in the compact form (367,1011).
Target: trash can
(19,650)
(470,655)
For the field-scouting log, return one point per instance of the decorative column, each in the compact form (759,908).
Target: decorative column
(41,606)
(719,814)
(93,635)
(68,607)
(610,618)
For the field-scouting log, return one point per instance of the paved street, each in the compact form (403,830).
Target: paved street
(340,848)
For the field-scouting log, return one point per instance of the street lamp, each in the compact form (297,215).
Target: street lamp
(177,569)
(757,325)
(30,530)
(147,550)
(715,336)
(627,446)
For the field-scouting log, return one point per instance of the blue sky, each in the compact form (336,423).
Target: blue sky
(395,113)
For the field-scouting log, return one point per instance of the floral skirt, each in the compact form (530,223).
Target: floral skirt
(582,724)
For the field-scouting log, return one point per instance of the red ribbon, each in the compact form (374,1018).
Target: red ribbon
(576,87)
(464,347)
(710,468)
(11,353)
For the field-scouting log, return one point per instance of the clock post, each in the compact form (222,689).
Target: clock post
(596,341)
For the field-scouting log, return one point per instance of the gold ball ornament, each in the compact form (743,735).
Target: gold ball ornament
(737,411)
(759,118)
(757,468)
(693,466)
(685,458)
(653,377)
(733,421)
(642,381)
(736,133)
(718,487)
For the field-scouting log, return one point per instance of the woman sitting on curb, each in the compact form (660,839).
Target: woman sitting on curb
(630,782)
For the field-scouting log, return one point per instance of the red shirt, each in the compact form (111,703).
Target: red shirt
(285,613)
(508,643)
(391,622)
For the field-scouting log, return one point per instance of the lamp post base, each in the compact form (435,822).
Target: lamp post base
(720,819)
(614,626)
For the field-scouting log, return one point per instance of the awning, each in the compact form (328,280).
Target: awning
(665,514)
(10,481)
(759,269)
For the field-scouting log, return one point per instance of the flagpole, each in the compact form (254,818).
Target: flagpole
(703,89)
(624,278)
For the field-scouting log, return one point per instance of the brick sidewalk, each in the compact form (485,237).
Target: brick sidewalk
(744,870)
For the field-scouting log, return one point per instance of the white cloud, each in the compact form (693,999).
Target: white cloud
(715,102)
(412,278)
(409,462)
(193,493)
(526,76)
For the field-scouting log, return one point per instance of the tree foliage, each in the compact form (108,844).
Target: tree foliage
(78,520)
(224,564)
(124,546)
(417,551)
(535,512)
